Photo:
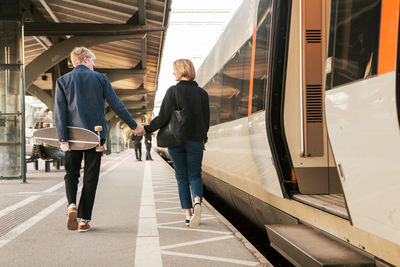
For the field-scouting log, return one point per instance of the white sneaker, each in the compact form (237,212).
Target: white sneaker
(195,220)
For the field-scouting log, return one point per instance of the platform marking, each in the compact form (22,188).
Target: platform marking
(147,241)
(173,208)
(14,233)
(33,198)
(201,241)
(30,199)
(180,213)
(167,198)
(179,226)
(20,229)
(180,221)
(203,257)
(167,192)
(195,230)
(18,205)
(166,201)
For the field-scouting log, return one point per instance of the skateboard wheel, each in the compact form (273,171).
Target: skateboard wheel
(45,145)
(99,148)
(46,125)
(98,128)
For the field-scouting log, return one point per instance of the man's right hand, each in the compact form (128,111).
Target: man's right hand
(139,130)
(65,147)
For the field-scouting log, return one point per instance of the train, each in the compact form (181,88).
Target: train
(304,127)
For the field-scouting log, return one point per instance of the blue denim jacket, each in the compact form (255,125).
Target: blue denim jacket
(80,101)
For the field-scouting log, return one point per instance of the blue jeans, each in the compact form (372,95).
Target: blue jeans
(187,164)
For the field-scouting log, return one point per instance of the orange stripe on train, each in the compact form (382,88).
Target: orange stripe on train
(388,36)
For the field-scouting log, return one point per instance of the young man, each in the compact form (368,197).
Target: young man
(80,102)
(137,144)
(148,141)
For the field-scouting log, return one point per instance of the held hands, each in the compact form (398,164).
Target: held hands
(139,130)
(65,147)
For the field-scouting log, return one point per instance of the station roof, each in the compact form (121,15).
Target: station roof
(127,37)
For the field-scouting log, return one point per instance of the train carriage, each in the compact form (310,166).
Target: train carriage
(304,133)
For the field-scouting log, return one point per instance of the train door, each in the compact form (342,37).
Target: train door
(361,111)
(312,176)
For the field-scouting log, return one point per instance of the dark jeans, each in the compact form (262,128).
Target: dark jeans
(73,160)
(138,152)
(148,149)
(187,164)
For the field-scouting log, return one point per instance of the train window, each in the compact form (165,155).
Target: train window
(353,41)
(261,65)
(229,88)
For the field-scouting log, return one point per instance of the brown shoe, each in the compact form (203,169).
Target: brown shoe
(72,221)
(83,226)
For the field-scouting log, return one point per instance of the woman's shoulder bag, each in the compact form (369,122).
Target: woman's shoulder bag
(174,133)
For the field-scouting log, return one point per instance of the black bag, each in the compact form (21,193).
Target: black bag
(174,133)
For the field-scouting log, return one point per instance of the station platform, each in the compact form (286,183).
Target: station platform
(137,221)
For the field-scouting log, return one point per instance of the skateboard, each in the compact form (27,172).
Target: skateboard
(79,138)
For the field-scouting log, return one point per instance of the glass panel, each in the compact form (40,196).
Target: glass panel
(11,89)
(261,66)
(229,88)
(353,41)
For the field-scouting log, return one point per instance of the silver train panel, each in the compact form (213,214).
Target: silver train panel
(364,131)
(238,153)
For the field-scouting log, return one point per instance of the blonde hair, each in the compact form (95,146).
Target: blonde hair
(185,68)
(79,53)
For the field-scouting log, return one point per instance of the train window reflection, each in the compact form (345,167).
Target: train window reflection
(229,88)
(353,41)
(261,65)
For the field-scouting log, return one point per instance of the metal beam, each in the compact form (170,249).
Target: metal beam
(124,98)
(61,51)
(135,104)
(48,9)
(139,111)
(144,52)
(121,74)
(142,12)
(41,95)
(87,29)
(40,41)
(30,12)
(136,112)
(130,92)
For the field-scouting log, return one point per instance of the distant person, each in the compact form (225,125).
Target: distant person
(137,144)
(187,158)
(148,141)
(80,102)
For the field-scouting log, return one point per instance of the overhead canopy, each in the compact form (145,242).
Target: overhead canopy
(126,36)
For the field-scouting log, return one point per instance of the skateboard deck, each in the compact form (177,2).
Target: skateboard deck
(79,138)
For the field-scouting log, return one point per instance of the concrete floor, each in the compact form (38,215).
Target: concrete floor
(136,221)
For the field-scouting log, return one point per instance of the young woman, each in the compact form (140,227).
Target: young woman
(187,95)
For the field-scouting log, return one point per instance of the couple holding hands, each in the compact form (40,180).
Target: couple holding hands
(80,101)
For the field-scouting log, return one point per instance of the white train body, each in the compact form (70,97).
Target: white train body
(319,144)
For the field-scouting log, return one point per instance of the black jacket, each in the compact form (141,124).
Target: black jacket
(137,139)
(191,98)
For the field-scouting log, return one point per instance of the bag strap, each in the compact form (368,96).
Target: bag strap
(176,99)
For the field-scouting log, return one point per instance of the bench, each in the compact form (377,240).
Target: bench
(35,152)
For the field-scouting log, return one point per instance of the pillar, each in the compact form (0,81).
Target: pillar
(12,91)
